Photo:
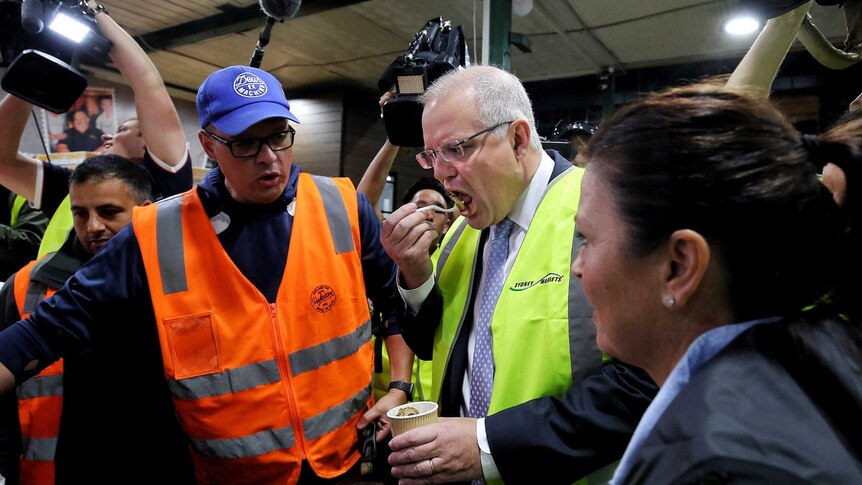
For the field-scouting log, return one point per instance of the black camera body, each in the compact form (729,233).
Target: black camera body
(40,60)
(437,48)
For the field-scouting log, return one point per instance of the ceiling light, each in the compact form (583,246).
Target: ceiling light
(741,25)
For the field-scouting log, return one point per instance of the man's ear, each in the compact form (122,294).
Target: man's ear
(522,136)
(207,144)
(688,258)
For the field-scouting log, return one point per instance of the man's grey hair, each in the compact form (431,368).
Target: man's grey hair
(499,96)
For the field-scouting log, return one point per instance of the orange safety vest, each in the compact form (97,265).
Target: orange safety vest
(259,387)
(40,399)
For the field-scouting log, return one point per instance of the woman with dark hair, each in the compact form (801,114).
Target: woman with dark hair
(718,262)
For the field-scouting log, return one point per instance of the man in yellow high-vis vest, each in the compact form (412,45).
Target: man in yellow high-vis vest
(535,339)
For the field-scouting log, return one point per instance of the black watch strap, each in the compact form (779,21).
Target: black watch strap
(407,387)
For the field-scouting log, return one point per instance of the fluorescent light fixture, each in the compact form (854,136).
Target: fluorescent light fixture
(741,25)
(69,27)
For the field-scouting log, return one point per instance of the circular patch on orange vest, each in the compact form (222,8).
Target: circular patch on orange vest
(323,298)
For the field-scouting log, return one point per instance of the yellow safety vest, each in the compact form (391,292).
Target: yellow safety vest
(544,337)
(57,230)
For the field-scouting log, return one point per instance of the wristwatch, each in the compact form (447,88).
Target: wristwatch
(407,387)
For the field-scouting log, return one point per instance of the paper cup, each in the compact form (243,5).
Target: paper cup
(427,415)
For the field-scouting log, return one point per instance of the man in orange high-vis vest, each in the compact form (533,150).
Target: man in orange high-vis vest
(103,191)
(231,319)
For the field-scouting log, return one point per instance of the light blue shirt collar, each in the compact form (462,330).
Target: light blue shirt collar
(701,351)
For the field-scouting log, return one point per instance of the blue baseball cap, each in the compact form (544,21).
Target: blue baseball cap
(236,97)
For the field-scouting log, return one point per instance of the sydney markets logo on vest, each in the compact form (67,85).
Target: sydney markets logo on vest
(526,285)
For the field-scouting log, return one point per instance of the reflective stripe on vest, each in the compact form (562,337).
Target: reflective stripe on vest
(541,308)
(39,449)
(336,214)
(41,386)
(170,243)
(40,399)
(268,383)
(272,440)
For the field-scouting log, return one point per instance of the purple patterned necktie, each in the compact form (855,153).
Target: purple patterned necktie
(482,373)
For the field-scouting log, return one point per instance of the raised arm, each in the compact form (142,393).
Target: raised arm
(758,67)
(374,179)
(17,171)
(160,123)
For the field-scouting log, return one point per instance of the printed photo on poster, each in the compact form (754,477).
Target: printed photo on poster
(80,129)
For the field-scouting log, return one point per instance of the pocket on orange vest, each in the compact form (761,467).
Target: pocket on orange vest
(193,346)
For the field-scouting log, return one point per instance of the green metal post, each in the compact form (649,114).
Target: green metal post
(499,26)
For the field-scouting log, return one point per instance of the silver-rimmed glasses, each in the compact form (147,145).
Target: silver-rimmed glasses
(451,152)
(250,147)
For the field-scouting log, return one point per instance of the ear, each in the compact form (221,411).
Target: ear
(687,262)
(521,140)
(207,144)
(145,203)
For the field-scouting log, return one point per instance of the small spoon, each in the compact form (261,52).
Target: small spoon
(437,208)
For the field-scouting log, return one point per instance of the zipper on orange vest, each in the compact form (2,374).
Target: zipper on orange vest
(284,368)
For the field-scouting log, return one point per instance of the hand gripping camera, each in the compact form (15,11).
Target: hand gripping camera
(40,40)
(437,48)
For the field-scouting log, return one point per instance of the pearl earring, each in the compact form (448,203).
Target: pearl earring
(669,302)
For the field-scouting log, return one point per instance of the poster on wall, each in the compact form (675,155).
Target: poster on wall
(76,134)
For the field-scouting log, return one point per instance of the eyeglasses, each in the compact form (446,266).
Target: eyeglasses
(451,152)
(250,147)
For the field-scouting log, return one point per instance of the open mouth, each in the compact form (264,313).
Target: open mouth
(98,243)
(461,200)
(269,179)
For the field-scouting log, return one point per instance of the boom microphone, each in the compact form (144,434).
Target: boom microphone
(280,9)
(262,41)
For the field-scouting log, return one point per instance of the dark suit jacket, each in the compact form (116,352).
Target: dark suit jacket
(780,404)
(546,440)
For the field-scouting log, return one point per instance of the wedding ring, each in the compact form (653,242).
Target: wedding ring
(431,462)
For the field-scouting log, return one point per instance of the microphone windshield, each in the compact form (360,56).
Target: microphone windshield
(280,9)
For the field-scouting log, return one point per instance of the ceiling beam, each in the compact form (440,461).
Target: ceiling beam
(229,21)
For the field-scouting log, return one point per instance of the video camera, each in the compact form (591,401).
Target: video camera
(40,41)
(436,48)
